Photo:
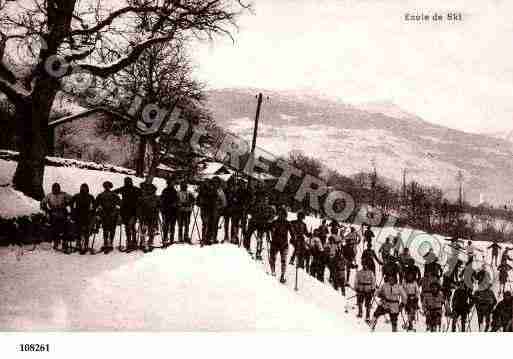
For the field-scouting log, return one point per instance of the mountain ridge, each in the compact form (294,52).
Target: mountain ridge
(349,137)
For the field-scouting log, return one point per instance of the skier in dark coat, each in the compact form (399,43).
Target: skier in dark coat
(432,267)
(168,208)
(280,229)
(503,314)
(413,270)
(82,210)
(148,214)
(108,203)
(485,301)
(350,248)
(205,201)
(216,206)
(411,288)
(461,305)
(432,303)
(390,269)
(300,233)
(236,201)
(503,269)
(495,252)
(339,269)
(365,286)
(55,205)
(262,214)
(129,199)
(368,235)
(369,258)
(185,206)
(323,232)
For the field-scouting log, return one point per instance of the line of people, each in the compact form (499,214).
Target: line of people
(73,219)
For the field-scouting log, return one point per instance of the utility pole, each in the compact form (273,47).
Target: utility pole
(404,185)
(459,178)
(374,178)
(255,133)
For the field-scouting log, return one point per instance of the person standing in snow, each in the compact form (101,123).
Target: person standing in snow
(503,314)
(236,204)
(168,208)
(55,205)
(390,269)
(300,233)
(107,204)
(317,258)
(352,241)
(484,300)
(262,214)
(495,247)
(369,258)
(503,269)
(339,269)
(397,244)
(392,301)
(82,209)
(505,257)
(404,259)
(216,207)
(185,205)
(365,286)
(129,199)
(461,306)
(280,229)
(330,251)
(470,252)
(432,267)
(148,214)
(323,232)
(385,250)
(411,289)
(368,235)
(205,203)
(432,304)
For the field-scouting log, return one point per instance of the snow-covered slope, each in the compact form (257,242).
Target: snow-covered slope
(185,288)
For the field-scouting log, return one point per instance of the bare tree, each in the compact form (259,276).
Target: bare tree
(43,42)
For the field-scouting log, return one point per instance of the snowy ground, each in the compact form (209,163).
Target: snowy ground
(185,288)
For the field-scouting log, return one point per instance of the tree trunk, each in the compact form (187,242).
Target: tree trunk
(29,174)
(32,129)
(141,154)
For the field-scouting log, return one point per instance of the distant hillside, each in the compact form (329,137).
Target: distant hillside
(349,138)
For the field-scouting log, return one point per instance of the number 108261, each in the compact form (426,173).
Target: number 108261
(34,347)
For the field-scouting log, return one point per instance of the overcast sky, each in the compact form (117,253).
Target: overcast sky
(457,74)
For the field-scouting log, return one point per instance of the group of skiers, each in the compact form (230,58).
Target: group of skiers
(403,289)
(74,219)
(402,286)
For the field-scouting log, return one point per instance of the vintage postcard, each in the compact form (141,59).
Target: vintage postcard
(340,166)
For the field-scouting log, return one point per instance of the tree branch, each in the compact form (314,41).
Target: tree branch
(105,71)
(113,16)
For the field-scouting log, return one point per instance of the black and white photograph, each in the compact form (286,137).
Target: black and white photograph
(254,167)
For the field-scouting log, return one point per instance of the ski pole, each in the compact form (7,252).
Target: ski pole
(469,327)
(194,223)
(297,268)
(120,230)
